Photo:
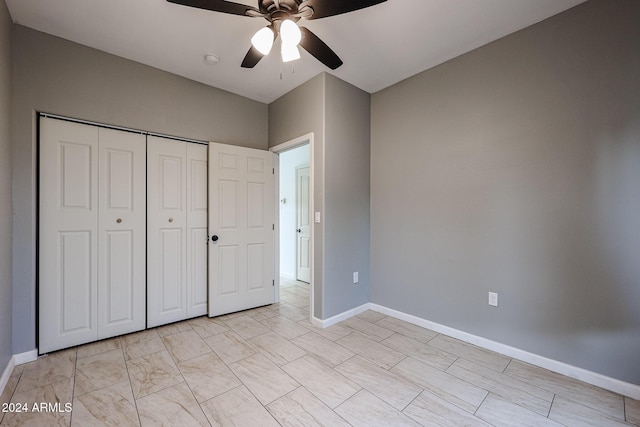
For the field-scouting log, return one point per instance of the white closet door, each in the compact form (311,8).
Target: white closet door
(303,221)
(241,219)
(197,241)
(167,231)
(122,233)
(68,234)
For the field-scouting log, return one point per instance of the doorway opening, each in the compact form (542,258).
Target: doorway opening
(294,248)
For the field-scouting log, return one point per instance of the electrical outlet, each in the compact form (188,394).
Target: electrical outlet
(493,299)
(355,277)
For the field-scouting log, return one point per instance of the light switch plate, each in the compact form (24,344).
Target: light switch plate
(493,299)
(318,217)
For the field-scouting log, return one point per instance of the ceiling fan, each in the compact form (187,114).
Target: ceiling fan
(283,16)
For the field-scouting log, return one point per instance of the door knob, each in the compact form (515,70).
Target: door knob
(214,238)
(119,220)
(170,219)
(299,230)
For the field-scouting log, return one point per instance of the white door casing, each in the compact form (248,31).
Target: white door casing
(303,225)
(241,218)
(197,239)
(166,231)
(122,232)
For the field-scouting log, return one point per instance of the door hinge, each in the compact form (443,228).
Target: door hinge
(273,227)
(273,171)
(273,283)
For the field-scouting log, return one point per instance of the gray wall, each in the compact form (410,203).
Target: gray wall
(338,115)
(347,178)
(57,76)
(5,187)
(516,168)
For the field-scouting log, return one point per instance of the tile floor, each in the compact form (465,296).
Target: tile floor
(269,367)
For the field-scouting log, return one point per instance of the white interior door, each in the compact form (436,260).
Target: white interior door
(197,240)
(166,231)
(303,225)
(241,226)
(122,232)
(68,234)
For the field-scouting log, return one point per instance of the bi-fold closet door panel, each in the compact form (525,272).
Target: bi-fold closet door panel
(177,230)
(91,266)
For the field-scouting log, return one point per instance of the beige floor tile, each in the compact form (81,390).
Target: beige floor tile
(276,348)
(173,328)
(333,333)
(173,406)
(54,367)
(230,347)
(430,410)
(364,409)
(208,376)
(420,351)
(594,397)
(371,316)
(295,300)
(446,386)
(470,352)
(301,408)
(111,406)
(266,381)
(99,371)
(302,290)
(407,329)
(185,345)
(322,348)
(284,327)
(59,394)
(501,413)
(237,407)
(291,312)
(5,397)
(152,373)
(367,329)
(325,383)
(393,389)
(371,350)
(509,388)
(568,412)
(98,347)
(246,327)
(632,410)
(205,327)
(141,344)
(18,370)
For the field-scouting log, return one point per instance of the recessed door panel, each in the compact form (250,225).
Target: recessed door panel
(119,280)
(171,256)
(255,205)
(75,272)
(255,266)
(75,170)
(228,204)
(120,176)
(228,270)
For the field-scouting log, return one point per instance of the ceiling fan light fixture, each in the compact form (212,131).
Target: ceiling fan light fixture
(289,52)
(262,40)
(290,33)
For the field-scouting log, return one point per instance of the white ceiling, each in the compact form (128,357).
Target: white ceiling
(380,45)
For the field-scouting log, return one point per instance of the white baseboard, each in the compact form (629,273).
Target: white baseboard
(325,323)
(589,377)
(4,379)
(25,357)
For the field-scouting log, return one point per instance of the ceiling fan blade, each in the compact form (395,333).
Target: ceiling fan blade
(217,6)
(251,58)
(316,47)
(324,8)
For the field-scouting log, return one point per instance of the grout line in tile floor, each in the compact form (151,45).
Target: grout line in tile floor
(239,402)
